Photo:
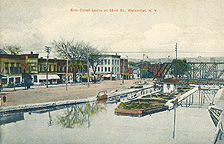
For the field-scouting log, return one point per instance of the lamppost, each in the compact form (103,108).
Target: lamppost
(48,50)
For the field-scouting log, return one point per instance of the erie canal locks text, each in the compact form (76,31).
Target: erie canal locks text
(112,10)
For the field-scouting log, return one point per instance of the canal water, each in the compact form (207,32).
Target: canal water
(94,123)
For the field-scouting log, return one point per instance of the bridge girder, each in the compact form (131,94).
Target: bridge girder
(190,71)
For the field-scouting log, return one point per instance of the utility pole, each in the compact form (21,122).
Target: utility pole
(87,71)
(142,64)
(48,50)
(176,61)
(176,50)
(66,75)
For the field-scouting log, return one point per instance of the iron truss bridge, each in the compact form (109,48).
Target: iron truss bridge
(191,71)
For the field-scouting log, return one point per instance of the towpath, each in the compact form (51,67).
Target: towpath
(39,95)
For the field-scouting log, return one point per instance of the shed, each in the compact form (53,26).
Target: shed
(170,85)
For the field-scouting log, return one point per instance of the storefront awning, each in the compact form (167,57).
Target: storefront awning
(109,75)
(43,77)
(1,75)
(104,75)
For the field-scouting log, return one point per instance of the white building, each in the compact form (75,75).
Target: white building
(170,86)
(109,68)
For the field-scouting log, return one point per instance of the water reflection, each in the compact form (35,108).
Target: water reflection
(10,118)
(78,115)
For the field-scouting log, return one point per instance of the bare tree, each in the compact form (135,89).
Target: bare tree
(95,57)
(77,52)
(73,52)
(12,49)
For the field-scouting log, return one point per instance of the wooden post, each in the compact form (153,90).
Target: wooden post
(175,104)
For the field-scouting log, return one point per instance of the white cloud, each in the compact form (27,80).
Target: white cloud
(57,23)
(163,33)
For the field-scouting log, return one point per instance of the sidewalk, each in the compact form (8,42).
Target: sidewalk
(58,93)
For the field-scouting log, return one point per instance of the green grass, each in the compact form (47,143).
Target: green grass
(134,105)
(150,100)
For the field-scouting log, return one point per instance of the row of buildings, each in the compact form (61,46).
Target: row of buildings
(17,69)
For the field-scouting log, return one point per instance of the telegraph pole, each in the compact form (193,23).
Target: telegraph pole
(87,71)
(66,76)
(176,61)
(142,64)
(176,50)
(48,50)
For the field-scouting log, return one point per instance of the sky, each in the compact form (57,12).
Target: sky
(195,25)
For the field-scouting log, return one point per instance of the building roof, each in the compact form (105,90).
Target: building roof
(170,80)
(113,56)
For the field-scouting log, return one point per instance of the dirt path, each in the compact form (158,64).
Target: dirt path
(39,95)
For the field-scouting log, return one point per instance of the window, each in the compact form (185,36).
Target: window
(35,78)
(11,68)
(112,62)
(17,68)
(168,86)
(101,69)
(11,80)
(4,81)
(105,69)
(105,61)
(117,69)
(54,68)
(101,62)
(63,68)
(58,68)
(108,69)
(98,69)
(108,61)
(112,69)
(49,68)
(6,68)
(40,68)
(17,80)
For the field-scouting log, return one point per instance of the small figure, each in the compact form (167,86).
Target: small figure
(4,99)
